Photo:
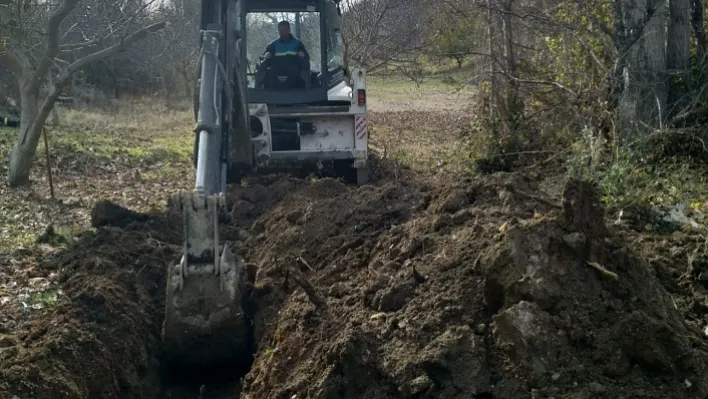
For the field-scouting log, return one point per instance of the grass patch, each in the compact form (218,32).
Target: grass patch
(13,239)
(400,88)
(173,151)
(147,136)
(44,299)
(629,184)
(642,183)
(8,136)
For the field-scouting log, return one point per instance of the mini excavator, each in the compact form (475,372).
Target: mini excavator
(251,114)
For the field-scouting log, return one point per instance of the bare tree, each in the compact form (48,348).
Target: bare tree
(378,32)
(699,32)
(31,66)
(179,52)
(679,54)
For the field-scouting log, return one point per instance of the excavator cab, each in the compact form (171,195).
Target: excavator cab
(309,111)
(313,23)
(249,114)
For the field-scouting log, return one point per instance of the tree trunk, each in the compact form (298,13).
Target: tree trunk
(34,115)
(22,154)
(493,85)
(511,92)
(187,81)
(698,30)
(114,81)
(643,100)
(678,57)
(459,60)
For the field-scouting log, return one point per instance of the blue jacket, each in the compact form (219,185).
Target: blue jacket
(281,48)
(286,49)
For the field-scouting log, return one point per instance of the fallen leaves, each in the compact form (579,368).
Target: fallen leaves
(24,289)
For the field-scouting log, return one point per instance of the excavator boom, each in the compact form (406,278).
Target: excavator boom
(204,321)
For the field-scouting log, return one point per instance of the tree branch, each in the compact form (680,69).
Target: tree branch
(612,33)
(52,40)
(64,77)
(691,109)
(76,46)
(543,82)
(68,31)
(116,48)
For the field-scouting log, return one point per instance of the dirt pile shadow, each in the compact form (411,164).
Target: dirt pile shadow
(102,339)
(473,289)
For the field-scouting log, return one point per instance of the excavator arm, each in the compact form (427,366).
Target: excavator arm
(205,324)
(204,321)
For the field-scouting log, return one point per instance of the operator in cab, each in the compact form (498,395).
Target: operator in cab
(287,54)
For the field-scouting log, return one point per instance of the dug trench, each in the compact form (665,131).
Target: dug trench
(462,288)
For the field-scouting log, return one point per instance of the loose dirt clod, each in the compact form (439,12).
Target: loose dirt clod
(106,213)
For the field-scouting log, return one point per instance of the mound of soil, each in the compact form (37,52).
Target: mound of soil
(456,288)
(102,339)
(482,289)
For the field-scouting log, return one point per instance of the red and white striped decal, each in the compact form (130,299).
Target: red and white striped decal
(360,126)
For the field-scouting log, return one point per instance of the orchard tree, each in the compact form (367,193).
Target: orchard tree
(36,37)
(451,44)
(457,31)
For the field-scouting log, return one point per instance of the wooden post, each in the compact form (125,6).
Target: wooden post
(49,164)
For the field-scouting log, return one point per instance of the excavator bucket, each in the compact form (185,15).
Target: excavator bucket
(205,324)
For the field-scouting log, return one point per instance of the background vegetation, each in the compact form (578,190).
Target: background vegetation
(614,91)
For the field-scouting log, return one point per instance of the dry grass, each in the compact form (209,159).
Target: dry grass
(393,94)
(420,126)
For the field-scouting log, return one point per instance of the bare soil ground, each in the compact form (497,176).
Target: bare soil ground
(421,285)
(100,338)
(480,288)
(486,288)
